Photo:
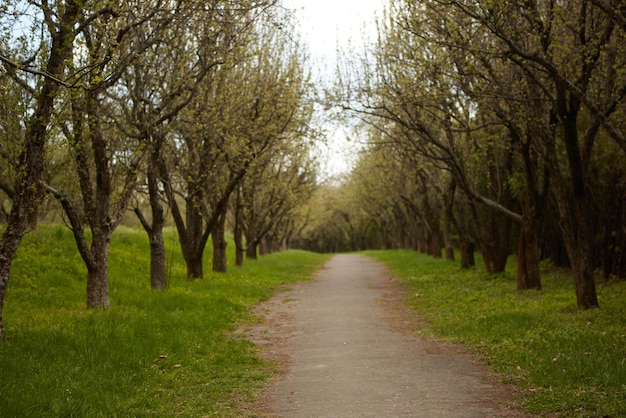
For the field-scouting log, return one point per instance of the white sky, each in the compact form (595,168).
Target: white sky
(328,25)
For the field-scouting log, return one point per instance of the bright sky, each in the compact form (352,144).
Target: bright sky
(327,25)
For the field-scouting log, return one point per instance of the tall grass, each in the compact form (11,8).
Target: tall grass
(567,362)
(154,353)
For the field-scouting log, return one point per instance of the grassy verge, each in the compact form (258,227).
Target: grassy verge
(567,362)
(154,354)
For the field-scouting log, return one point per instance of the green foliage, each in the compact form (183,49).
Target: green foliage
(155,353)
(567,362)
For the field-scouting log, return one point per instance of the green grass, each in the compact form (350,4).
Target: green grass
(153,354)
(567,362)
(170,353)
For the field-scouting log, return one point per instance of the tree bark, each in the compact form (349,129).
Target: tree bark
(194,231)
(528,257)
(435,244)
(98,190)
(219,244)
(422,240)
(466,242)
(447,237)
(579,248)
(195,269)
(494,241)
(158,277)
(467,252)
(157,248)
(251,249)
(238,230)
(190,232)
(575,210)
(448,219)
(98,272)
(154,229)
(528,249)
(264,247)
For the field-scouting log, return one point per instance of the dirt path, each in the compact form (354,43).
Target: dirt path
(346,346)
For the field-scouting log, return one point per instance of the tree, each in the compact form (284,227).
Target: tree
(47,61)
(289,180)
(248,106)
(574,57)
(508,112)
(106,163)
(380,198)
(324,226)
(197,41)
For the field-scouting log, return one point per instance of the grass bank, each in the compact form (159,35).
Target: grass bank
(153,354)
(566,362)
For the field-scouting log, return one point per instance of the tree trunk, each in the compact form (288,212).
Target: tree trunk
(528,249)
(239,248)
(586,296)
(98,272)
(575,210)
(219,244)
(9,243)
(267,245)
(157,247)
(493,230)
(25,203)
(435,244)
(528,257)
(422,241)
(5,270)
(155,228)
(195,269)
(251,251)
(158,278)
(467,252)
(263,247)
(578,243)
(448,219)
(238,230)
(447,239)
(192,239)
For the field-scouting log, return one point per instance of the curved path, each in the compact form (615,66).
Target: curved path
(347,349)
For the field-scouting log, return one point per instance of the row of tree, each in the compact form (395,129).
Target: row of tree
(195,110)
(495,125)
(498,125)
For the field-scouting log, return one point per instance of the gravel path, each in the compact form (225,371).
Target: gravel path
(348,348)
